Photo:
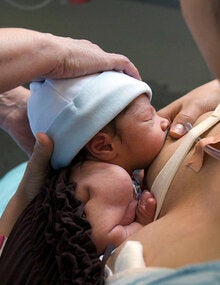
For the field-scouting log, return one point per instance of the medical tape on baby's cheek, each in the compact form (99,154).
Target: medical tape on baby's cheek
(195,160)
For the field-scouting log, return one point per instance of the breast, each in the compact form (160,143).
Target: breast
(185,178)
(158,163)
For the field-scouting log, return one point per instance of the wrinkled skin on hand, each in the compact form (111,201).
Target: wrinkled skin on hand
(13,118)
(82,57)
(30,54)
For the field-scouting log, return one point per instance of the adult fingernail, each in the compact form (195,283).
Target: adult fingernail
(179,129)
(38,139)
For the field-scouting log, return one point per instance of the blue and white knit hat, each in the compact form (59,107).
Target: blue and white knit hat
(72,111)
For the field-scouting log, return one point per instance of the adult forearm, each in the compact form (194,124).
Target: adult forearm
(13,117)
(11,214)
(27,54)
(33,179)
(31,57)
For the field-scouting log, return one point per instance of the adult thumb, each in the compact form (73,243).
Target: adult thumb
(38,166)
(178,128)
(42,152)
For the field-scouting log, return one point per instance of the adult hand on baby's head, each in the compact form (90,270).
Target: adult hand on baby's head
(30,54)
(82,57)
(189,107)
(146,208)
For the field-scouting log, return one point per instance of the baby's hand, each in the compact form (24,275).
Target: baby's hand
(146,208)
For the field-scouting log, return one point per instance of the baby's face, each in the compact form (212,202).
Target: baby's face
(142,132)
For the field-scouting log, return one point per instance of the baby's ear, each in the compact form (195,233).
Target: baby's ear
(100,146)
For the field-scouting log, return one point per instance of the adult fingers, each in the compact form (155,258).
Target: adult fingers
(179,114)
(177,128)
(42,151)
(122,63)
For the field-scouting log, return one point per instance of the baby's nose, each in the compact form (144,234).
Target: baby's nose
(164,124)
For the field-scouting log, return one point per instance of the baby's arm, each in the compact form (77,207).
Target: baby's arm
(144,214)
(111,207)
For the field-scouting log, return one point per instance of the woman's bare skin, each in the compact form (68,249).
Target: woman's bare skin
(187,230)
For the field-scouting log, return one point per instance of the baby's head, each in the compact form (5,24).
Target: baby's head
(73,111)
(132,139)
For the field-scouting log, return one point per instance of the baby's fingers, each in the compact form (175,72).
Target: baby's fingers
(146,208)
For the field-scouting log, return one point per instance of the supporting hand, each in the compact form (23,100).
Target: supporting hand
(32,181)
(189,107)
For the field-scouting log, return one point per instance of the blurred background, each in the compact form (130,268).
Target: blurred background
(151,33)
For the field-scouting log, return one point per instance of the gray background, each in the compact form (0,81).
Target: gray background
(151,33)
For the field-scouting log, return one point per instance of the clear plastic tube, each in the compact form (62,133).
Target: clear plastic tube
(212,151)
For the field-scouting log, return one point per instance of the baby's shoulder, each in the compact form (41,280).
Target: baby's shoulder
(108,173)
(114,171)
(99,176)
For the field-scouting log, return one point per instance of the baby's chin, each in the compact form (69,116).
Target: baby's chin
(166,133)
